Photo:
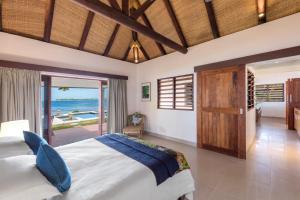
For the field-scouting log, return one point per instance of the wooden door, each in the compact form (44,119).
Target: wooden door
(221,110)
(293,100)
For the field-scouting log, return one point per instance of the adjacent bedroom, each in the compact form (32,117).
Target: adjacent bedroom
(149,99)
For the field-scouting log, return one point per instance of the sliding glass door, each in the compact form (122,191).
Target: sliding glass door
(77,109)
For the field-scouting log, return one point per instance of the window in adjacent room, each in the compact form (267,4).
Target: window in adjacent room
(176,93)
(269,92)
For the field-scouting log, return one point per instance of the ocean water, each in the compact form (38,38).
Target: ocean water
(66,106)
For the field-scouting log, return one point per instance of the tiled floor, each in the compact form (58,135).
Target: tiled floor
(70,135)
(271,171)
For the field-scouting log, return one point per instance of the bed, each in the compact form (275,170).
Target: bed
(13,146)
(99,171)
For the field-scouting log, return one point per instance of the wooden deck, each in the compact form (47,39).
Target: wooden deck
(71,135)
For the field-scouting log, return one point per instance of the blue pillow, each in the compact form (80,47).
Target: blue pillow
(33,141)
(53,167)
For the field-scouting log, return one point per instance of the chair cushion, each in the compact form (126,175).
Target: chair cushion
(33,140)
(53,167)
(131,129)
(136,120)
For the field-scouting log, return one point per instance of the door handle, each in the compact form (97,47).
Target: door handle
(241,111)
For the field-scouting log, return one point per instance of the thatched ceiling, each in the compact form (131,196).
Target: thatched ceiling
(29,18)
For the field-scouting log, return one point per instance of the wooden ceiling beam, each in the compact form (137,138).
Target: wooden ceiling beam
(126,53)
(125,7)
(142,8)
(116,15)
(135,38)
(144,51)
(114,4)
(86,29)
(175,22)
(149,25)
(159,46)
(212,18)
(111,40)
(49,20)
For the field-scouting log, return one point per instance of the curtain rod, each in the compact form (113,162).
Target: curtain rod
(51,69)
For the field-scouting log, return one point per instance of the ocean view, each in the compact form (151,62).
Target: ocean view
(76,99)
(65,106)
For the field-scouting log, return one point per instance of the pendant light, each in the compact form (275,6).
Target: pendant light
(135,50)
(135,47)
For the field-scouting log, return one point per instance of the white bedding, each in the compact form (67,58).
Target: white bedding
(20,179)
(101,173)
(13,146)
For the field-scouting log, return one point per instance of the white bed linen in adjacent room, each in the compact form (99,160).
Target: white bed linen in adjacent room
(100,172)
(13,146)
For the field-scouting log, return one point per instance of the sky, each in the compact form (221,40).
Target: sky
(75,93)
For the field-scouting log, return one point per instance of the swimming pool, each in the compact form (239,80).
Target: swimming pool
(86,116)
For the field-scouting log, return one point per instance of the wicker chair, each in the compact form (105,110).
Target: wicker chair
(135,129)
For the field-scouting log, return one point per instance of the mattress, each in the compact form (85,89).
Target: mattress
(100,172)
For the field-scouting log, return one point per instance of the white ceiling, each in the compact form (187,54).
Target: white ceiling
(282,64)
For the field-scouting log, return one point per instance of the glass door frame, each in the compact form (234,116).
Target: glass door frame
(47,120)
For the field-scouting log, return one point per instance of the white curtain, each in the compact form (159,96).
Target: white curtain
(117,111)
(20,92)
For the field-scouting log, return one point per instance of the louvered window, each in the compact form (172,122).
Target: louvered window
(176,93)
(270,92)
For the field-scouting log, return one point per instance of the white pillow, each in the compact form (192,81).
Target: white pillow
(13,146)
(20,179)
(14,128)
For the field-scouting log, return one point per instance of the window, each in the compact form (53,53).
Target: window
(270,92)
(176,93)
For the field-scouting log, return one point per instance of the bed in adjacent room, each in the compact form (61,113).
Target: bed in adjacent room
(116,167)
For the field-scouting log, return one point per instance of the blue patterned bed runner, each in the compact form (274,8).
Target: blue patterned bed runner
(161,164)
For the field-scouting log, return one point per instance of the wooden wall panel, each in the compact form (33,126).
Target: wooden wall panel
(293,100)
(220,130)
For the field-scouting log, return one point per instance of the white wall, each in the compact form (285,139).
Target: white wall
(250,128)
(274,35)
(20,49)
(278,74)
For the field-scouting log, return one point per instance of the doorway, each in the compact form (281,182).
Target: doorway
(277,84)
(277,98)
(73,109)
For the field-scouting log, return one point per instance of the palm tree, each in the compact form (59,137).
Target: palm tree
(63,88)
